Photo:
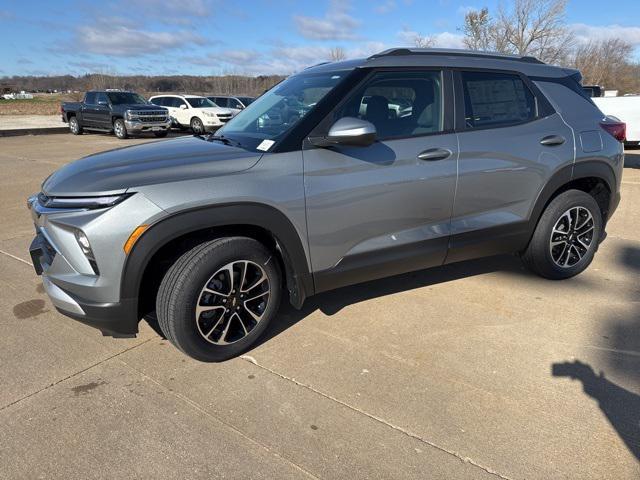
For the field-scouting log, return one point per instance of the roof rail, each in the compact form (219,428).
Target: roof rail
(316,65)
(454,52)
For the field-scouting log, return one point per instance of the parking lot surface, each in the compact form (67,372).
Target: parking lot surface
(469,371)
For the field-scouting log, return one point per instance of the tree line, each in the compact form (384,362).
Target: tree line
(216,85)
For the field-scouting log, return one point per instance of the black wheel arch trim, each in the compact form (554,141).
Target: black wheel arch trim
(298,277)
(575,171)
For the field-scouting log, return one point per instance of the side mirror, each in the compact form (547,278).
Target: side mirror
(183,106)
(348,131)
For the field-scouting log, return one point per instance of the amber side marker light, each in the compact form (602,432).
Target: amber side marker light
(133,238)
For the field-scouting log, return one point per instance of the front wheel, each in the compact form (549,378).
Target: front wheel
(120,129)
(197,127)
(218,298)
(567,236)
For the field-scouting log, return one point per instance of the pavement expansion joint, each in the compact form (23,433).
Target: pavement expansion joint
(402,430)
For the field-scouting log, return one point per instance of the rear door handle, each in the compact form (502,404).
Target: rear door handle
(552,140)
(435,154)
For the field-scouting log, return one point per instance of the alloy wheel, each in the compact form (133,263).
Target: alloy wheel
(232,302)
(572,237)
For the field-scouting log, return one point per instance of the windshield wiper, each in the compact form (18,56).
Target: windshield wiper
(223,139)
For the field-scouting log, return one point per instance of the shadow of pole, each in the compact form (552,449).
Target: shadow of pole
(619,405)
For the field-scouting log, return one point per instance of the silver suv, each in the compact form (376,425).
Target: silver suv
(343,173)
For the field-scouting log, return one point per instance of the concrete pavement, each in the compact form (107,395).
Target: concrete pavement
(475,370)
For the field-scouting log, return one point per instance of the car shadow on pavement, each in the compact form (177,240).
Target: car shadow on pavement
(619,405)
(333,301)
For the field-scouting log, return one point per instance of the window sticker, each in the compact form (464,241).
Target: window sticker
(265,145)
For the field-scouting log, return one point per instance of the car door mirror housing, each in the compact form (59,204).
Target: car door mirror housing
(183,106)
(348,131)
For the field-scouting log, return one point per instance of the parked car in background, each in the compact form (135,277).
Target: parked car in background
(193,111)
(593,90)
(627,109)
(234,103)
(124,113)
(500,154)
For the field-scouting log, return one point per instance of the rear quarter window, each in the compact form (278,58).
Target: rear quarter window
(496,99)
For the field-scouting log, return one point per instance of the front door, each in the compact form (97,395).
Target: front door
(384,209)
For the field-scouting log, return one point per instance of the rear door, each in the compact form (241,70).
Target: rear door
(511,141)
(384,209)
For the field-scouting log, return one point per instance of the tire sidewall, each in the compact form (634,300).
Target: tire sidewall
(123,133)
(184,299)
(196,121)
(553,213)
(74,126)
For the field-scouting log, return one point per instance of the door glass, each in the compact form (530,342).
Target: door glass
(496,99)
(399,104)
(90,98)
(101,99)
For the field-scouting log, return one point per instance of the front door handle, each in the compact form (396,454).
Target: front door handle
(552,140)
(435,154)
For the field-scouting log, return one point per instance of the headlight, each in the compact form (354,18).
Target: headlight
(81,202)
(209,114)
(129,115)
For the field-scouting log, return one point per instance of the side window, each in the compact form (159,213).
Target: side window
(90,98)
(399,104)
(233,103)
(160,101)
(102,98)
(176,102)
(221,102)
(496,99)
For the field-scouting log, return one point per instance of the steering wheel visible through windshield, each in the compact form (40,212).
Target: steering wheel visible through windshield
(270,116)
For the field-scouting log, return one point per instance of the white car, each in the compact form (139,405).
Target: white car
(626,109)
(193,111)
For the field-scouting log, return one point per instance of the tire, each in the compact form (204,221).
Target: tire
(120,129)
(197,127)
(74,126)
(557,255)
(228,323)
(161,134)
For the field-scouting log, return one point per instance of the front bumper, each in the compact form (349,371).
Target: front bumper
(75,289)
(137,126)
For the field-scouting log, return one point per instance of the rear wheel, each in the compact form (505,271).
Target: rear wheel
(74,126)
(197,127)
(218,298)
(120,129)
(567,236)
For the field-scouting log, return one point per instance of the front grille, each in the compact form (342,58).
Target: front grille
(224,117)
(151,116)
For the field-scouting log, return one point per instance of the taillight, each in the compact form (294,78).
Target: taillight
(617,130)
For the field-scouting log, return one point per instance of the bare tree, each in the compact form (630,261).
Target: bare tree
(424,41)
(337,54)
(530,27)
(606,63)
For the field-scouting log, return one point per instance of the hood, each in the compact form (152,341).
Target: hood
(152,163)
(139,106)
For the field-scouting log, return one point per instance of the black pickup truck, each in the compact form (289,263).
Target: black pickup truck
(124,113)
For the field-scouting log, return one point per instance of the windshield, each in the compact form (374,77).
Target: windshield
(200,102)
(278,110)
(125,98)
